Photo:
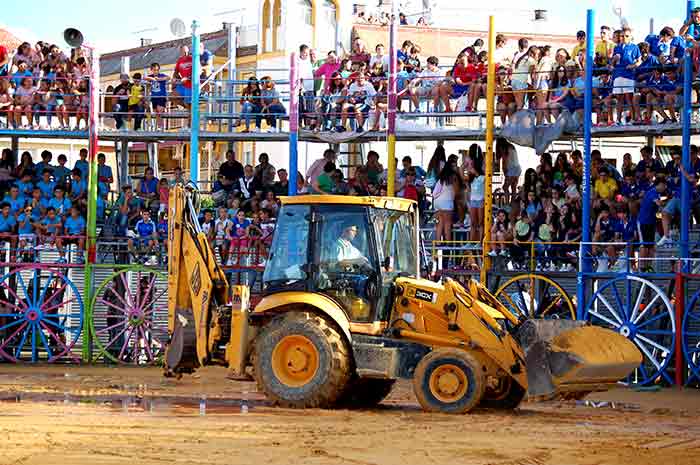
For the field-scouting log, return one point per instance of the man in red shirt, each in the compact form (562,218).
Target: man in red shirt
(4,61)
(182,76)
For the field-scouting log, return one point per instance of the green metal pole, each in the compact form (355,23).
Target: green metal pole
(90,243)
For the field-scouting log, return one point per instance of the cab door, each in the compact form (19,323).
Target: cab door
(346,262)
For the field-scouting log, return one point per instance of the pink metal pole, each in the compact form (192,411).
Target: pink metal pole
(293,124)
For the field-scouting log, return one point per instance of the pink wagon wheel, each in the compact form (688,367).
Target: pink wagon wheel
(41,315)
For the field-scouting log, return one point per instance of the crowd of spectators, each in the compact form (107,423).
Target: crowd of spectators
(635,82)
(39,83)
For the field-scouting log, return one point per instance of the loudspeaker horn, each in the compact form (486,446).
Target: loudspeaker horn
(73,37)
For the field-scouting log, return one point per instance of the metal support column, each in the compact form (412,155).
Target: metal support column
(488,156)
(91,243)
(194,130)
(231,87)
(584,260)
(685,124)
(293,124)
(392,103)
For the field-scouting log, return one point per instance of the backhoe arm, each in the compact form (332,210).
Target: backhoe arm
(197,286)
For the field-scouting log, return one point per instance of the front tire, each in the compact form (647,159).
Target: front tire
(449,381)
(507,396)
(301,361)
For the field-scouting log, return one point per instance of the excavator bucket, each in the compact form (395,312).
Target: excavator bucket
(569,359)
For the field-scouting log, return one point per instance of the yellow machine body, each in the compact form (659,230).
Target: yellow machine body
(311,347)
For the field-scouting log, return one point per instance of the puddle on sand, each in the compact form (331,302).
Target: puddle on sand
(201,406)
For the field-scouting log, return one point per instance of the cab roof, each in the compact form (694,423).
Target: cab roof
(388,203)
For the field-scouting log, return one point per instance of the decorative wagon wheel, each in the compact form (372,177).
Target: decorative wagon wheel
(535,296)
(41,315)
(690,333)
(639,310)
(129,322)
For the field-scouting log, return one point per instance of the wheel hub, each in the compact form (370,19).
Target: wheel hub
(33,314)
(448,383)
(628,330)
(295,360)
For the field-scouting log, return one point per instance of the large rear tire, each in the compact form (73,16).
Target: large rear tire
(507,396)
(365,392)
(449,381)
(301,361)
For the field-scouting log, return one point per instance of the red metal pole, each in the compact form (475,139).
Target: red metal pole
(679,309)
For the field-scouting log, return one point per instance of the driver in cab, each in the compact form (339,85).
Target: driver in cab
(344,251)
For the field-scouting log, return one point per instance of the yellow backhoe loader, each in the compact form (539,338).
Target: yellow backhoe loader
(344,314)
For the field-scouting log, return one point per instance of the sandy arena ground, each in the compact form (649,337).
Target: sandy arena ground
(95,415)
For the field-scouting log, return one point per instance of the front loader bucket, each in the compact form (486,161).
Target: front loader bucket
(567,358)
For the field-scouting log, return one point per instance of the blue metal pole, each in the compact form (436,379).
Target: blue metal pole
(194,103)
(584,260)
(685,124)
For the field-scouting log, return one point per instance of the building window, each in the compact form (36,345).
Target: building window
(307,9)
(328,24)
(266,26)
(276,23)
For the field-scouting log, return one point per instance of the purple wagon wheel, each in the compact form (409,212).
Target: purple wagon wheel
(129,320)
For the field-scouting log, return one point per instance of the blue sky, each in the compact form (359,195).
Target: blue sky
(110,27)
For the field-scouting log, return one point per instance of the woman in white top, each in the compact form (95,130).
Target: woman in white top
(522,71)
(449,183)
(476,202)
(541,79)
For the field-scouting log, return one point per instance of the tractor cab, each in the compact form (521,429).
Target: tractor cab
(350,249)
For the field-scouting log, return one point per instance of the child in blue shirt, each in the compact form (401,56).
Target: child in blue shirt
(38,204)
(7,220)
(15,200)
(25,184)
(78,189)
(146,233)
(673,98)
(82,164)
(25,230)
(49,228)
(61,174)
(46,185)
(74,228)
(59,203)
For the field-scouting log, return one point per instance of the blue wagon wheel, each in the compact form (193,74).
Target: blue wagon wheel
(691,338)
(41,315)
(639,310)
(130,316)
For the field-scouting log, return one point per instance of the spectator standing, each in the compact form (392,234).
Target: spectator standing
(121,105)
(325,72)
(104,173)
(265,172)
(159,92)
(626,59)
(137,97)
(449,184)
(148,190)
(61,174)
(306,77)
(231,170)
(651,202)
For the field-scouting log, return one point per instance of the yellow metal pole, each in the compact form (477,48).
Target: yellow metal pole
(488,159)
